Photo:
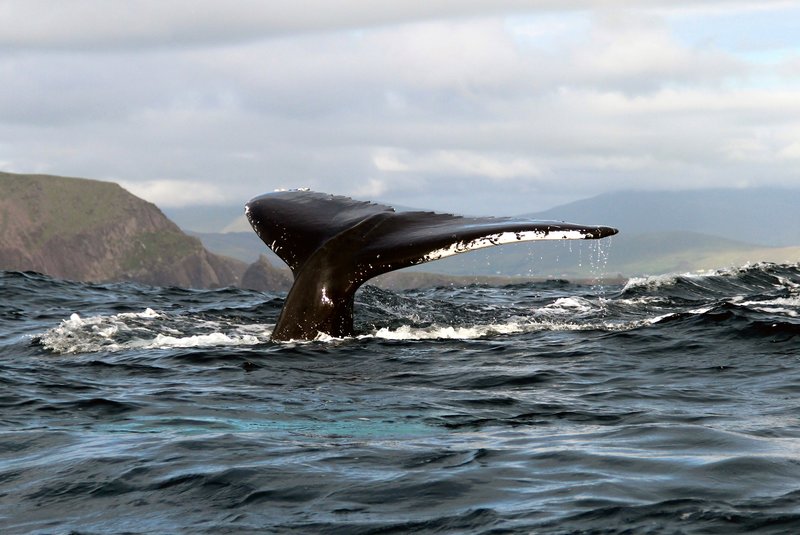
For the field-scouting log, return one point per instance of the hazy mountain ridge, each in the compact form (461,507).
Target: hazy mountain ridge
(244,246)
(660,232)
(205,219)
(622,255)
(762,216)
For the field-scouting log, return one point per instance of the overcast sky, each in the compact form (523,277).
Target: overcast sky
(471,106)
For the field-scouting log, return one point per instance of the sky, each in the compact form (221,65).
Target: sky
(471,106)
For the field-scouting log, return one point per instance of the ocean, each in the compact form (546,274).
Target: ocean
(667,404)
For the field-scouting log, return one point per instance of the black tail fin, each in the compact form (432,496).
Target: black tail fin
(334,244)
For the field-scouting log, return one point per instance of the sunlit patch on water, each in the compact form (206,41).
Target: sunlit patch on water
(349,428)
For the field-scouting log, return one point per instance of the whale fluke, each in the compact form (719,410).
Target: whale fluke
(334,244)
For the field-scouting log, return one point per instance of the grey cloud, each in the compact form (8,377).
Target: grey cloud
(476,121)
(99,23)
(69,87)
(83,23)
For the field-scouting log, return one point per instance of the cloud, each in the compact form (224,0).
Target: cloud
(497,167)
(635,52)
(136,23)
(475,106)
(85,23)
(175,193)
(373,188)
(790,151)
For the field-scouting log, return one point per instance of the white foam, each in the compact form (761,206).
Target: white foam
(654,281)
(445,332)
(148,313)
(152,329)
(202,340)
(787,283)
(147,330)
(652,321)
(568,305)
(789,306)
(406,332)
(644,300)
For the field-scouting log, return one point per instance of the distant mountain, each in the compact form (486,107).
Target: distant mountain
(244,246)
(769,217)
(88,230)
(622,255)
(660,232)
(205,218)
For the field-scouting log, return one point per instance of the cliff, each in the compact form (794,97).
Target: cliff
(87,230)
(262,276)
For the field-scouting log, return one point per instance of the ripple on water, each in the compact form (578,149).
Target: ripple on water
(664,406)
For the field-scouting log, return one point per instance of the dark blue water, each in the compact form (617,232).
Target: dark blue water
(669,405)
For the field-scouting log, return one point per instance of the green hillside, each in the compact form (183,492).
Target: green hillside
(59,205)
(90,230)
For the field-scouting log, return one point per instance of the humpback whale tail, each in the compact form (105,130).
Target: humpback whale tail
(334,244)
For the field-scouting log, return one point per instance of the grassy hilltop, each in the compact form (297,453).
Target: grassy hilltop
(90,230)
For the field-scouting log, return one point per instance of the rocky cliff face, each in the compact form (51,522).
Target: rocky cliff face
(88,230)
(264,277)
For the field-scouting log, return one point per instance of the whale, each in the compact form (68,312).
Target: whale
(333,244)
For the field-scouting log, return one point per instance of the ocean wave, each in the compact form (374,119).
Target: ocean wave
(147,330)
(542,408)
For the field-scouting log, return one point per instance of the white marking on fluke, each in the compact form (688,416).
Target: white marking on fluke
(501,239)
(325,299)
